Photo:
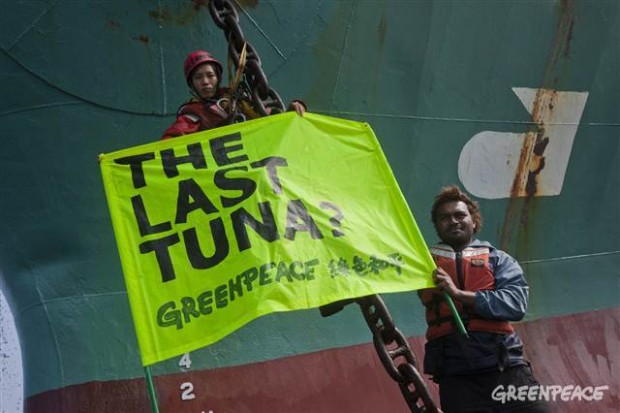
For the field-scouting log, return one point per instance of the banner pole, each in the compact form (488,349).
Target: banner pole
(151,389)
(456,315)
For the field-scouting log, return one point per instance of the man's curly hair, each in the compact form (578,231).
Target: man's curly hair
(453,193)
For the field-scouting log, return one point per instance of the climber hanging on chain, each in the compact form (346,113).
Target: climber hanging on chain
(210,106)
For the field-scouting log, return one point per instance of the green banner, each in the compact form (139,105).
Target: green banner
(280,213)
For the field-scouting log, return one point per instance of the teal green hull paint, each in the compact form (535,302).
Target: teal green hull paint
(81,78)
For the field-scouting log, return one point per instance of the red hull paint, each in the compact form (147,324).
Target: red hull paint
(580,350)
(564,350)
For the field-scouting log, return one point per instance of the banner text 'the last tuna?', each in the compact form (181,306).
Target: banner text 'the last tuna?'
(231,186)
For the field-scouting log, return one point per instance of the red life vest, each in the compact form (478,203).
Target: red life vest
(470,270)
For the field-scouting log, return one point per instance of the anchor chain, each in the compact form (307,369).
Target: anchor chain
(394,351)
(265,99)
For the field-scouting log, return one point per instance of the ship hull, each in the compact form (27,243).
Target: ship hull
(515,101)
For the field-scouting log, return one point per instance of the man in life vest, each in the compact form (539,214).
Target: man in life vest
(208,108)
(489,290)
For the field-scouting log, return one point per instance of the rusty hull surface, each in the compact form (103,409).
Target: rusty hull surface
(579,350)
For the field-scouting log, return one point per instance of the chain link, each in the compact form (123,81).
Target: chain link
(394,351)
(265,100)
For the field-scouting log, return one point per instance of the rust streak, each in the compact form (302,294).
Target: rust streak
(181,16)
(382,29)
(531,159)
(162,15)
(569,37)
(531,164)
(200,3)
(113,24)
(142,38)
